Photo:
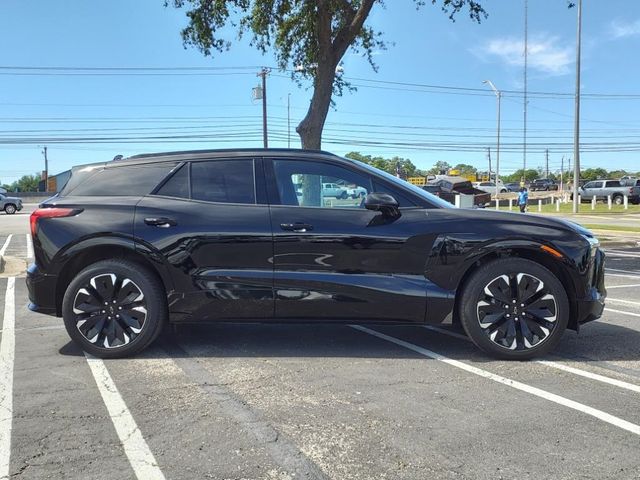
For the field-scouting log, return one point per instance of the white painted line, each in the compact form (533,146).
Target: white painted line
(592,376)
(29,246)
(559,366)
(622,312)
(622,271)
(622,254)
(624,286)
(140,457)
(618,300)
(7,352)
(621,275)
(6,244)
(552,397)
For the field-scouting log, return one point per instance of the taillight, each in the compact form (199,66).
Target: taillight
(54,212)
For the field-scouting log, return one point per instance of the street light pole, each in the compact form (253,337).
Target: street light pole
(498,97)
(576,131)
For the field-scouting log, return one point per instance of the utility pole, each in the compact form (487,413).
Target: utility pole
(288,120)
(499,98)
(576,129)
(263,74)
(547,162)
(46,170)
(489,157)
(524,139)
(562,173)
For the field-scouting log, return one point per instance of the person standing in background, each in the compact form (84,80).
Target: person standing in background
(523,198)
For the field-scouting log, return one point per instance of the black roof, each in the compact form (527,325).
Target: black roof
(228,152)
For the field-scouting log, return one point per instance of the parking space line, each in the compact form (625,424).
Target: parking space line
(29,246)
(624,286)
(619,300)
(6,244)
(140,457)
(552,397)
(7,352)
(637,274)
(622,312)
(621,275)
(559,366)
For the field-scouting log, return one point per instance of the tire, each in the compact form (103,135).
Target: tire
(618,200)
(342,196)
(487,293)
(128,290)
(10,208)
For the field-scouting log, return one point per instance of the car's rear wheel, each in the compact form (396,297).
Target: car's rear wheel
(114,308)
(618,199)
(10,208)
(514,308)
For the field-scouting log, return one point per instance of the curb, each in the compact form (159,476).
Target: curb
(1,264)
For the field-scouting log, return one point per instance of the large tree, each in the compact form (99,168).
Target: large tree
(307,36)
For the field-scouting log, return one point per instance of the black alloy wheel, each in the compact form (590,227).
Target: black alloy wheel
(514,308)
(10,208)
(114,308)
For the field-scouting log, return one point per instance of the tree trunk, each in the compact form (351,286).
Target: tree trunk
(310,128)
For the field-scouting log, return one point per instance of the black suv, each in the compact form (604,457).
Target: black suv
(249,235)
(543,184)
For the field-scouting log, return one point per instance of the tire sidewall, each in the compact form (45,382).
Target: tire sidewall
(151,288)
(476,284)
(10,209)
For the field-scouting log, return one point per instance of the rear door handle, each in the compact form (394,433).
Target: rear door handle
(296,227)
(162,222)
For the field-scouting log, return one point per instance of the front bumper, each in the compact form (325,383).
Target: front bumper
(591,306)
(42,291)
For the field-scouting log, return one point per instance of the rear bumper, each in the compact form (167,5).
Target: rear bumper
(42,291)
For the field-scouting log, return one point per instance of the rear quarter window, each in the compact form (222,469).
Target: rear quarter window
(122,180)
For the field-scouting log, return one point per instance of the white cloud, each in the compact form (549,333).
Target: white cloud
(545,53)
(619,29)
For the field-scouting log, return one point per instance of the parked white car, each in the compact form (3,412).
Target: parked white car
(357,192)
(490,187)
(334,190)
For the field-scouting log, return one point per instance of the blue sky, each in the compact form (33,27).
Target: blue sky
(422,123)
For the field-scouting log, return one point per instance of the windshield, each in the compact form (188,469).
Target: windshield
(438,202)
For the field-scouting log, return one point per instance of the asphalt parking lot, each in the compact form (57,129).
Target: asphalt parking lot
(320,401)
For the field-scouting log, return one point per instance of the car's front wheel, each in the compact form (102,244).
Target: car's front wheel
(114,308)
(514,308)
(10,208)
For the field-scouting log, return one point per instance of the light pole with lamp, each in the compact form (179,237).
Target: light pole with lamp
(499,97)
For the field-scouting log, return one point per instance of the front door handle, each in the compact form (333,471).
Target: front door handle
(296,227)
(162,222)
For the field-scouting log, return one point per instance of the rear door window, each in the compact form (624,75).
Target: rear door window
(223,181)
(177,185)
(613,183)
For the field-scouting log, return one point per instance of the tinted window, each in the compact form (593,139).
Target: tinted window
(613,183)
(317,184)
(225,181)
(136,180)
(403,200)
(177,185)
(591,185)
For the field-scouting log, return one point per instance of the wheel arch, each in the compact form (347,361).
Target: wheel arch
(529,252)
(83,257)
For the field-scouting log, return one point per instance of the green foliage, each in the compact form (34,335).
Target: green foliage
(466,169)
(307,37)
(27,183)
(389,165)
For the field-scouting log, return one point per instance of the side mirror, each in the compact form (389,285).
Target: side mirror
(382,202)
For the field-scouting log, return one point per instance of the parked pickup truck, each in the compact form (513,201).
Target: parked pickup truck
(601,189)
(450,186)
(543,185)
